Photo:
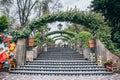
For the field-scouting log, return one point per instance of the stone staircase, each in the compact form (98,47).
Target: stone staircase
(61,61)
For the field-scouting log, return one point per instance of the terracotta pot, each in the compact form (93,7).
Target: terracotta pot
(91,43)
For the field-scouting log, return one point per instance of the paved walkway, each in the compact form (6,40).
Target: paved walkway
(7,76)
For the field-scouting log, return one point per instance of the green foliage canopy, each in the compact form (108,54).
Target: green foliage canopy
(111,10)
(61,32)
(84,37)
(65,36)
(4,24)
(37,38)
(94,21)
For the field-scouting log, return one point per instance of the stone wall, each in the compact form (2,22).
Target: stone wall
(105,53)
(100,50)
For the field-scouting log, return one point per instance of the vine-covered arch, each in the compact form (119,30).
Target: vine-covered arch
(61,32)
(94,21)
(67,37)
(61,39)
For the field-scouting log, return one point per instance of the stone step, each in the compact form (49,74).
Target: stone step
(60,73)
(59,55)
(72,63)
(60,58)
(63,66)
(66,68)
(60,65)
(52,55)
(50,63)
(77,58)
(62,69)
(61,61)
(64,52)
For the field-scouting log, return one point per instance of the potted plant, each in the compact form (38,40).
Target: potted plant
(91,43)
(84,38)
(108,65)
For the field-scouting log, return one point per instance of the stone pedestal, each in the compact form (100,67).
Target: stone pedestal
(21,51)
(45,48)
(29,55)
(86,53)
(35,53)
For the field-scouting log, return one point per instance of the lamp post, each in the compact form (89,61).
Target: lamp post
(60,27)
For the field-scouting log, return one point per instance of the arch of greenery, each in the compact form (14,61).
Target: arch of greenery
(64,39)
(61,32)
(94,21)
(67,37)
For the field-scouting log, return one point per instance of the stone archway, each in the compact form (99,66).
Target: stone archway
(94,21)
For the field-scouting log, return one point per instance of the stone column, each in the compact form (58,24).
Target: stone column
(21,51)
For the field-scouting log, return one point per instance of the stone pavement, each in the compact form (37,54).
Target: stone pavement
(7,76)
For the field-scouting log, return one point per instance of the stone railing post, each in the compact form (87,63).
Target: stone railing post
(21,51)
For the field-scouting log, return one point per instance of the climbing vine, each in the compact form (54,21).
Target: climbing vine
(64,39)
(61,32)
(67,37)
(94,21)
(83,38)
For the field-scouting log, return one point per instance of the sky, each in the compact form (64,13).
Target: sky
(82,5)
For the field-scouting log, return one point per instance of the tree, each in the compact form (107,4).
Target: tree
(42,7)
(49,41)
(24,9)
(84,37)
(4,24)
(111,11)
(5,6)
(37,38)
